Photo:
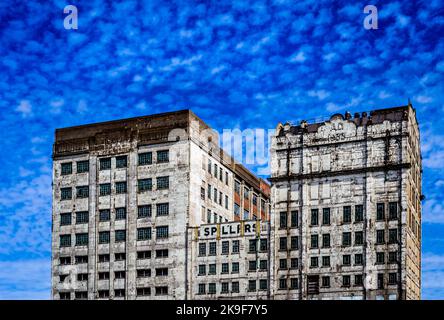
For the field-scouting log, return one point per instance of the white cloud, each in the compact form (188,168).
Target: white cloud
(320,94)
(423,99)
(25,108)
(299,57)
(433,211)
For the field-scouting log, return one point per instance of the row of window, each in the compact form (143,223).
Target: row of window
(81,239)
(145,158)
(225,247)
(120,256)
(215,171)
(346,260)
(346,239)
(225,286)
(217,197)
(141,273)
(143,211)
(212,217)
(118,293)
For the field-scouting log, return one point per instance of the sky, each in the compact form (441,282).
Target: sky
(242,64)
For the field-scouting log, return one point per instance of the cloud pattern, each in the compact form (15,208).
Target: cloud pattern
(240,64)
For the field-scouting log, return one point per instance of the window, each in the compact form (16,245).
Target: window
(283,220)
(162,253)
(103,294)
(235,267)
(211,288)
(143,234)
(103,275)
(358,280)
(81,239)
(119,293)
(380,236)
(201,288)
(104,163)
(162,291)
(252,247)
(393,257)
(251,285)
(209,166)
(314,217)
(202,193)
(162,209)
(82,277)
(314,241)
(105,189)
(145,184)
(121,187)
(202,249)
(359,238)
(65,261)
(103,237)
(346,214)
(325,282)
(235,246)
(252,265)
(163,156)
(121,162)
(359,259)
(144,254)
(65,240)
(326,240)
(236,210)
(393,236)
(380,281)
(66,193)
(225,247)
(202,270)
(120,213)
(294,283)
(283,243)
(235,287)
(119,274)
(263,264)
(226,178)
(215,170)
(294,219)
(66,168)
(143,292)
(119,256)
(212,249)
(246,193)
(163,183)
(326,216)
(346,238)
(263,245)
(161,272)
(65,295)
(82,192)
(82,166)
(145,158)
(226,202)
(326,261)
(65,219)
(392,278)
(81,259)
(82,217)
(237,187)
(380,258)
(359,213)
(144,211)
(294,263)
(221,174)
(220,198)
(215,195)
(346,281)
(225,268)
(314,262)
(346,260)
(212,269)
(294,243)
(103,258)
(380,211)
(120,235)
(246,215)
(62,277)
(81,295)
(104,215)
(162,232)
(283,264)
(263,285)
(282,283)
(393,211)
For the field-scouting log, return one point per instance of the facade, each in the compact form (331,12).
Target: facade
(151,208)
(346,207)
(124,195)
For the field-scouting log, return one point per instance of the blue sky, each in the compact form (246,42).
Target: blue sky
(239,64)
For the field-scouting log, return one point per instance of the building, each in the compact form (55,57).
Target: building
(125,195)
(346,210)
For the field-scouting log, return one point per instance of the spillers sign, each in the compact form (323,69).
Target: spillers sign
(230,229)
